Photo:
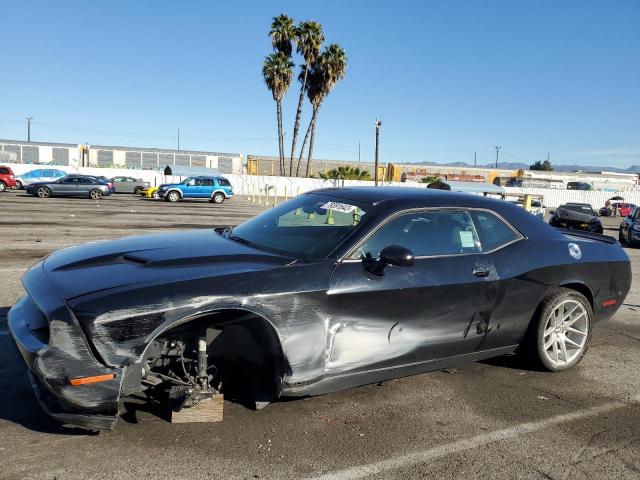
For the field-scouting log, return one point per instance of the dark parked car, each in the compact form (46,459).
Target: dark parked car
(71,186)
(576,216)
(579,186)
(630,229)
(129,185)
(332,289)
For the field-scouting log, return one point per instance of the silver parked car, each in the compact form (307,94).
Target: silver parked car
(37,176)
(71,186)
(129,185)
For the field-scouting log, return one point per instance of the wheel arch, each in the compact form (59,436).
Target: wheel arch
(258,326)
(580,287)
(219,190)
(174,190)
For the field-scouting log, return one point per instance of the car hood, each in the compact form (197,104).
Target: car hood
(151,259)
(167,185)
(565,214)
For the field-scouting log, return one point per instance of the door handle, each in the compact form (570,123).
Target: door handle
(481,272)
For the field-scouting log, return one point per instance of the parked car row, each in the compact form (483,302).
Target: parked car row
(581,216)
(45,183)
(217,189)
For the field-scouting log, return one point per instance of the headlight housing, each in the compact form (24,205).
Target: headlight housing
(635,227)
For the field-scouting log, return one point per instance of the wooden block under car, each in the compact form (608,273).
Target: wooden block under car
(209,410)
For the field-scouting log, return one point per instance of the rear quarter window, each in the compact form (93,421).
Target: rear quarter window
(4,171)
(492,230)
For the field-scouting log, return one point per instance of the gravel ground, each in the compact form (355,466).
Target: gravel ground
(493,419)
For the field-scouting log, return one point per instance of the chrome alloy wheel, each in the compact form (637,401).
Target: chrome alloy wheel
(565,332)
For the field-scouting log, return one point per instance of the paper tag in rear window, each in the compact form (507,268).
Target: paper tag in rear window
(466,239)
(339,207)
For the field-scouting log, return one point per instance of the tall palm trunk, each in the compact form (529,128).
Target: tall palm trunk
(313,133)
(304,142)
(296,125)
(280,139)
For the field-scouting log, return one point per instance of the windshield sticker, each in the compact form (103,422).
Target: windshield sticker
(339,207)
(466,239)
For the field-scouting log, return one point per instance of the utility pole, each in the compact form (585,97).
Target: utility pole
(29,128)
(358,151)
(548,157)
(497,151)
(475,158)
(178,139)
(377,123)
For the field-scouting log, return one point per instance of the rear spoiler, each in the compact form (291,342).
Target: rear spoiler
(588,235)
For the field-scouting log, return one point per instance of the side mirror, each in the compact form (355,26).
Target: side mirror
(392,255)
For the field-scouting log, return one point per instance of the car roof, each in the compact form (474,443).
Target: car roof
(376,195)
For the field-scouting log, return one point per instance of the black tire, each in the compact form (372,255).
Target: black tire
(137,190)
(533,345)
(217,197)
(43,192)
(620,237)
(18,185)
(3,186)
(155,194)
(172,196)
(95,194)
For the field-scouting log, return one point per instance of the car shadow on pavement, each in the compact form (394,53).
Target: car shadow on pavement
(18,402)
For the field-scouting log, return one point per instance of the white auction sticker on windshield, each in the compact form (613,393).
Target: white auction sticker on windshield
(339,207)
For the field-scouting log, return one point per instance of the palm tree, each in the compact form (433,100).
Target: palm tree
(283,31)
(331,67)
(309,38)
(277,71)
(346,173)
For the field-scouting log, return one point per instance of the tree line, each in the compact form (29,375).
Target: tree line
(318,75)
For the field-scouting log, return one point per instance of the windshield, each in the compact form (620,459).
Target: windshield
(187,180)
(580,208)
(308,226)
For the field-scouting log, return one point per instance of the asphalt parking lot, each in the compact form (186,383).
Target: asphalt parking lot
(494,419)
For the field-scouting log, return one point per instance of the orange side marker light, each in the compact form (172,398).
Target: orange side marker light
(95,379)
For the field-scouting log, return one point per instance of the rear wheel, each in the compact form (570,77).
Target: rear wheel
(95,194)
(3,186)
(173,196)
(43,192)
(137,190)
(559,334)
(217,197)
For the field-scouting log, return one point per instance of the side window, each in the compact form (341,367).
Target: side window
(4,171)
(493,231)
(427,233)
(208,182)
(71,180)
(223,182)
(86,181)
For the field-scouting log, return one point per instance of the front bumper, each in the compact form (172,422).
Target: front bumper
(55,351)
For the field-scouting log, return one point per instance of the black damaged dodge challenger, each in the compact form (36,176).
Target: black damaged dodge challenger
(332,289)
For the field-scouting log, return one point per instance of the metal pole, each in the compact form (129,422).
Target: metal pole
(475,158)
(497,150)
(378,123)
(358,151)
(29,128)
(178,139)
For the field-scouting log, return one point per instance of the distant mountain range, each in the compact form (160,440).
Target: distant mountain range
(556,168)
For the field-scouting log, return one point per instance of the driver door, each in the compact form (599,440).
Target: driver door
(408,316)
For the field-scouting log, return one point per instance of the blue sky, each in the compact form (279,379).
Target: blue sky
(447,78)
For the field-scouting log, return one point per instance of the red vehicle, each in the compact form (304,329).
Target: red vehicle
(623,208)
(6,178)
